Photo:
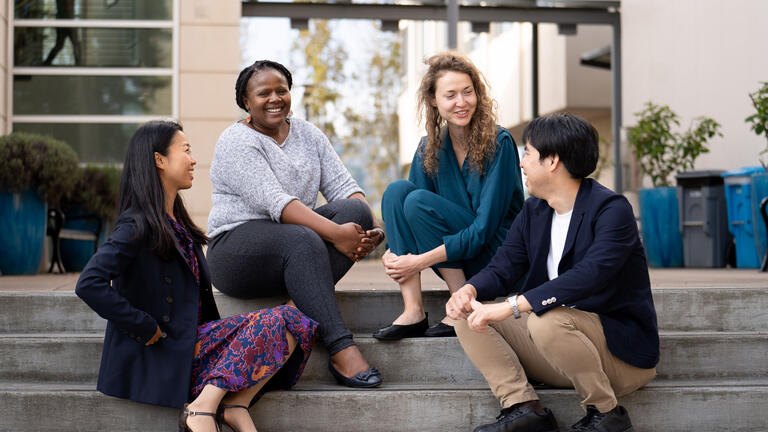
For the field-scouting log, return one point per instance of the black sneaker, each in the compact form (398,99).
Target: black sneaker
(615,420)
(525,419)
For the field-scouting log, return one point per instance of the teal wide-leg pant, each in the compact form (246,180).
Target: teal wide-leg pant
(416,221)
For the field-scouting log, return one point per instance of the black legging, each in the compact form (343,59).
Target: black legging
(263,258)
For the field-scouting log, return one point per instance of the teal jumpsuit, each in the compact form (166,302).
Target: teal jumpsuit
(467,212)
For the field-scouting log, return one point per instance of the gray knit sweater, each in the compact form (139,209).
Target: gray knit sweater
(255,178)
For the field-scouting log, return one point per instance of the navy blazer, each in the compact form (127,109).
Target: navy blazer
(136,291)
(602,269)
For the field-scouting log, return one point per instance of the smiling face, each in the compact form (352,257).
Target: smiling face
(268,100)
(177,166)
(455,98)
(536,170)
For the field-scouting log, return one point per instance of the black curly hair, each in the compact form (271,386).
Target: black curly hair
(247,73)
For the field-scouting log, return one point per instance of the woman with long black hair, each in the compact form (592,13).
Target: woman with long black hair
(165,343)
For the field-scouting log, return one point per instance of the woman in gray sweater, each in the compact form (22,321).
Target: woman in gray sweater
(267,236)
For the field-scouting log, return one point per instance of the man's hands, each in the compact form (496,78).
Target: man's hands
(402,267)
(484,314)
(464,305)
(459,305)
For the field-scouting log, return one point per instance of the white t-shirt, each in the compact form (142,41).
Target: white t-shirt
(560,224)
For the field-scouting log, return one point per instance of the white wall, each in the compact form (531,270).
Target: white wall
(587,86)
(700,57)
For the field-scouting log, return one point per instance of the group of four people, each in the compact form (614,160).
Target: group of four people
(582,317)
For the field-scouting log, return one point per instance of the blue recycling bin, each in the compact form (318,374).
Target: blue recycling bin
(744,189)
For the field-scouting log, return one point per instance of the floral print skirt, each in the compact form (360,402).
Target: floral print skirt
(238,352)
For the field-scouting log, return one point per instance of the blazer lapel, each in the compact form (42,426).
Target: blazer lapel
(541,230)
(577,216)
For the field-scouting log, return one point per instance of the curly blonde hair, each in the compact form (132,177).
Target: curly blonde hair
(481,140)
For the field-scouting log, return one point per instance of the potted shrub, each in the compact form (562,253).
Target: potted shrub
(91,206)
(758,122)
(661,153)
(35,170)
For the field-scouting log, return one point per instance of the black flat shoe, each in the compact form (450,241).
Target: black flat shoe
(440,330)
(366,379)
(397,332)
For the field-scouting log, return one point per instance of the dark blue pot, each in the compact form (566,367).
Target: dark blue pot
(660,221)
(75,254)
(22,232)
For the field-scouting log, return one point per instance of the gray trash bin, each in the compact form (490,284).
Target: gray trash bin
(703,218)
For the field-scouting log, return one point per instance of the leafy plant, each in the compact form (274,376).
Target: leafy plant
(37,161)
(661,151)
(95,192)
(758,121)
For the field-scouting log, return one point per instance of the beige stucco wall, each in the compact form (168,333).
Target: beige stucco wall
(587,87)
(209,50)
(700,57)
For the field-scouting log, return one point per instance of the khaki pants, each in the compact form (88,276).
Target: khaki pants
(564,348)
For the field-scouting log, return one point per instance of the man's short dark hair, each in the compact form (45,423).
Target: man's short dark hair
(570,137)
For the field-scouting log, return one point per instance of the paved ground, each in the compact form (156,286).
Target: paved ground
(369,275)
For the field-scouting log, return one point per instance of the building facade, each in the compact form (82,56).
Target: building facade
(90,71)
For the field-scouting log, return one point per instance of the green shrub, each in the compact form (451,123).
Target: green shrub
(37,161)
(662,152)
(758,121)
(95,192)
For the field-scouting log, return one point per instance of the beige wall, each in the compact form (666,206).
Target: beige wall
(209,50)
(586,86)
(700,57)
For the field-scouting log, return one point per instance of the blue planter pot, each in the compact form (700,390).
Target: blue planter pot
(75,254)
(22,232)
(659,217)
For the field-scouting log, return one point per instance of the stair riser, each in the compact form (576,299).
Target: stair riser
(707,309)
(411,361)
(710,409)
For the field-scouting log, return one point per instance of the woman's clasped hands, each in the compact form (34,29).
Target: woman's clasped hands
(402,267)
(356,243)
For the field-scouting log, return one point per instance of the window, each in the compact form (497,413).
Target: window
(90,71)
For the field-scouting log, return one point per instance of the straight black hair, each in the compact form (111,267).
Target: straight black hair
(570,137)
(142,191)
(245,75)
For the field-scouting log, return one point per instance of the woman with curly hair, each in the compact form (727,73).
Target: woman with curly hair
(463,192)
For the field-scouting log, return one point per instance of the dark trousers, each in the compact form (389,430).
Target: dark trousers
(263,258)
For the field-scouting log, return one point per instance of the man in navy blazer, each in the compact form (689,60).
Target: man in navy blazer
(584,317)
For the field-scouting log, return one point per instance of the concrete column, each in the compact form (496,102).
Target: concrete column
(209,61)
(452,22)
(6,48)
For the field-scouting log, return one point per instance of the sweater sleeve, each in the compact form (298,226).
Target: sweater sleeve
(95,288)
(335,180)
(498,191)
(246,172)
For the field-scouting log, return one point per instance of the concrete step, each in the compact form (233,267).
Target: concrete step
(679,309)
(437,361)
(720,406)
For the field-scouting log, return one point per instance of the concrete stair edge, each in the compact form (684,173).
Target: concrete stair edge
(652,409)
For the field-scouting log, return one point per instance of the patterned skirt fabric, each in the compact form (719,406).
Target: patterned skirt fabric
(238,352)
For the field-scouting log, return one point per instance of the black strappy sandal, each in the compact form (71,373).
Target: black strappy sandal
(220,415)
(187,413)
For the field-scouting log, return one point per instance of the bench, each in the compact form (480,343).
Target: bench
(57,232)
